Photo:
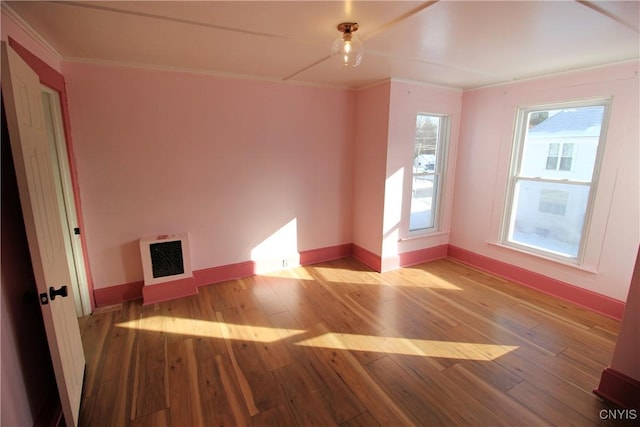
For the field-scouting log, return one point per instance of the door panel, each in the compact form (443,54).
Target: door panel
(33,163)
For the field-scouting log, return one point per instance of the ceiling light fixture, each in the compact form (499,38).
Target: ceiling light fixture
(347,50)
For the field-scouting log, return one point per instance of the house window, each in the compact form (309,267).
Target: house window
(556,157)
(560,156)
(428,163)
(553,202)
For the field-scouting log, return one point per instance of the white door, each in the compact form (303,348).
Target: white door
(32,159)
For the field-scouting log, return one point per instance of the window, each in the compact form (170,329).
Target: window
(560,159)
(554,167)
(428,162)
(553,202)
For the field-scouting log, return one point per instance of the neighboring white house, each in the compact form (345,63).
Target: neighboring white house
(562,147)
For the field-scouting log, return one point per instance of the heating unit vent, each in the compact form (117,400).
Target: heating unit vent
(165,258)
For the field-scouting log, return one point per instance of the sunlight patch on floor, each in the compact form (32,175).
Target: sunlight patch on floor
(346,275)
(426,280)
(296,273)
(408,346)
(210,329)
(333,340)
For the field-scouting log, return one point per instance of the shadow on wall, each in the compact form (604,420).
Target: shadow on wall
(130,255)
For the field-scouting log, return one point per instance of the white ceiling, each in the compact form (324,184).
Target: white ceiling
(462,44)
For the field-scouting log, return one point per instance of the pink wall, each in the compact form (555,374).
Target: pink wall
(370,157)
(482,168)
(228,161)
(386,115)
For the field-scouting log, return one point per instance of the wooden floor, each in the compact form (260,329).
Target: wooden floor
(337,344)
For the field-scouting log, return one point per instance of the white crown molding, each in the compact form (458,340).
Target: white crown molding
(199,71)
(426,84)
(556,74)
(31,32)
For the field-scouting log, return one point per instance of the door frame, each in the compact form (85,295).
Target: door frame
(53,80)
(67,203)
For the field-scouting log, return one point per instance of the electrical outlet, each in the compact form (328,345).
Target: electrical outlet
(285,263)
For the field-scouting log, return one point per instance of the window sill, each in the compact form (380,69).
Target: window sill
(580,267)
(422,235)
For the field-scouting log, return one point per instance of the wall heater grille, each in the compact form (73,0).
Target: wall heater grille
(165,258)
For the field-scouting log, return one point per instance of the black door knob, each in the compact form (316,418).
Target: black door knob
(53,293)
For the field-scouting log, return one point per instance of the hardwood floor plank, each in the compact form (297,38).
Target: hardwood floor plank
(254,326)
(558,385)
(87,406)
(267,298)
(216,406)
(490,373)
(184,392)
(362,420)
(334,391)
(591,369)
(290,293)
(177,314)
(208,335)
(256,382)
(277,416)
(150,386)
(553,410)
(301,397)
(232,390)
(156,419)
(94,340)
(375,399)
(407,392)
(232,294)
(564,368)
(438,387)
(112,406)
(494,399)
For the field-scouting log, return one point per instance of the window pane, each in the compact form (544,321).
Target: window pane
(425,146)
(552,163)
(549,216)
(565,164)
(567,150)
(422,202)
(567,133)
(427,156)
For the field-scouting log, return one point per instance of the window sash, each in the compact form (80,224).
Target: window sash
(515,176)
(419,224)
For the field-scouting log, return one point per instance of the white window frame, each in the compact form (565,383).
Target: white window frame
(521,128)
(439,172)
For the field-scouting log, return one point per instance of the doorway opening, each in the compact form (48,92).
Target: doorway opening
(66,200)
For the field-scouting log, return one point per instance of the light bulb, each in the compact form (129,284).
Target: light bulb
(347,50)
